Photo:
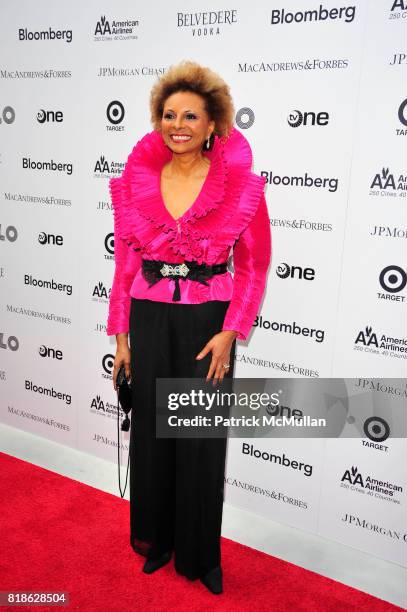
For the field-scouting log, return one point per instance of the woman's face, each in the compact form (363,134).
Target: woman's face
(184,115)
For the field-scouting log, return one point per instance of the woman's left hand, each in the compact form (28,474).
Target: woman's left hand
(220,344)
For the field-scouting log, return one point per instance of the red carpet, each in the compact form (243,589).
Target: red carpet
(58,534)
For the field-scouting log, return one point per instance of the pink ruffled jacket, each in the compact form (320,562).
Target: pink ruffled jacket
(229,212)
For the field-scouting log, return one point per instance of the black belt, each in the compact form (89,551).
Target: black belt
(154,270)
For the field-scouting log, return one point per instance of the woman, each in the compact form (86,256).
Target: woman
(186,197)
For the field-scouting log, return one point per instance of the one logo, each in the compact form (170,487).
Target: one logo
(284,270)
(52,239)
(44,116)
(297,118)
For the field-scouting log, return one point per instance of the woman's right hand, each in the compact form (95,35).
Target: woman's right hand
(122,358)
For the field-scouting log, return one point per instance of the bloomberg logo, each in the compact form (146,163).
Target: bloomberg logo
(282,16)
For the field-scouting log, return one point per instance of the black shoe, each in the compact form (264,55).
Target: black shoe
(213,581)
(151,565)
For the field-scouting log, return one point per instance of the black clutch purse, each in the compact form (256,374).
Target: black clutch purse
(124,398)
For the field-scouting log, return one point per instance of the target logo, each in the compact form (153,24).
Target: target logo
(402,112)
(376,429)
(107,365)
(115,112)
(109,243)
(393,279)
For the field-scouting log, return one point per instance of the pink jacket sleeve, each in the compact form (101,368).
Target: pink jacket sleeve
(127,263)
(251,258)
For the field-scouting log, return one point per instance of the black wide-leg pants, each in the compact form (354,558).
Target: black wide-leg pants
(176,484)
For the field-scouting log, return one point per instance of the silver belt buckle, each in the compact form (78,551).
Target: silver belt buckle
(174,270)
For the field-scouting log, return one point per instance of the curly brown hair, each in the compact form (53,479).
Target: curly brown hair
(191,76)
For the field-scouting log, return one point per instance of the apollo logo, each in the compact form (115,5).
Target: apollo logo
(9,342)
(8,115)
(245,118)
(297,118)
(9,233)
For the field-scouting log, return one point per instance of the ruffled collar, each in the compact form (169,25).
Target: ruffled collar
(229,157)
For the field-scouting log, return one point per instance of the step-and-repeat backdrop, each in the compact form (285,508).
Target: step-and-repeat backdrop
(320,93)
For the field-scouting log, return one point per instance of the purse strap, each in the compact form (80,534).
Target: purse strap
(118,450)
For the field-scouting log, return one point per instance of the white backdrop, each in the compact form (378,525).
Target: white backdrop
(319,90)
